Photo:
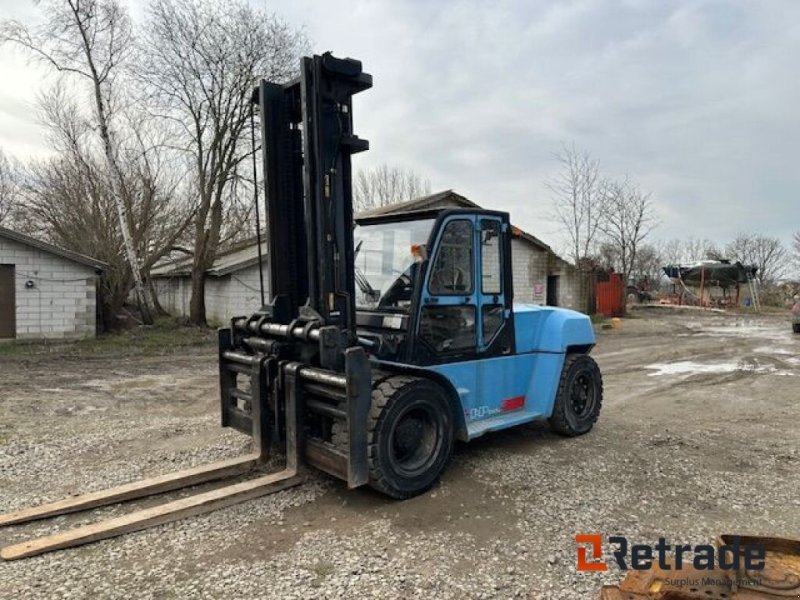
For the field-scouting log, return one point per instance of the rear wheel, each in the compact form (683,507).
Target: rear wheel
(796,327)
(409,434)
(579,396)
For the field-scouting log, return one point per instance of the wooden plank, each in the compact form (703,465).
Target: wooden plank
(157,515)
(136,489)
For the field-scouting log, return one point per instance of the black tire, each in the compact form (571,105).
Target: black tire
(579,396)
(410,433)
(796,327)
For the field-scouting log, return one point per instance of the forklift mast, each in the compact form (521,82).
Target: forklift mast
(307,132)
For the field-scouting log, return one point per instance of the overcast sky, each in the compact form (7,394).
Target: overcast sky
(699,102)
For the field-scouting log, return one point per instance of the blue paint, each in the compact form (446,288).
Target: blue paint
(504,391)
(543,336)
(550,329)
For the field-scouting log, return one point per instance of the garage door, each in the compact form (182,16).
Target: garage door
(7,308)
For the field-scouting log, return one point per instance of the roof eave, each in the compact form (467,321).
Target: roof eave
(76,257)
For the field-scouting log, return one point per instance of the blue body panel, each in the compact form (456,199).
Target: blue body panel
(504,391)
(550,329)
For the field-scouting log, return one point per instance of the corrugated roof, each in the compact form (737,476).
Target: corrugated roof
(51,249)
(241,257)
(436,199)
(246,254)
(418,204)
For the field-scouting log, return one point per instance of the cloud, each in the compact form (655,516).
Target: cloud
(696,100)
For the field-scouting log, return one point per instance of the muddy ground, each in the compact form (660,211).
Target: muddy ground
(698,436)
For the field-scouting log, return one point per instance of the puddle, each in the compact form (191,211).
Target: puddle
(774,350)
(745,329)
(688,367)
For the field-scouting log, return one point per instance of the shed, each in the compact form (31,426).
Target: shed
(232,283)
(232,287)
(46,292)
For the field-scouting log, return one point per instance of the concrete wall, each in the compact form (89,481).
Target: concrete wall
(529,270)
(531,267)
(231,295)
(574,286)
(61,303)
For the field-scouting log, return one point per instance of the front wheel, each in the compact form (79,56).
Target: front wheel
(410,433)
(579,396)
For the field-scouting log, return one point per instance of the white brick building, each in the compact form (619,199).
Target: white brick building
(232,284)
(46,292)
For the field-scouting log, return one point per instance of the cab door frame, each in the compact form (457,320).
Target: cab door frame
(501,342)
(433,300)
(418,351)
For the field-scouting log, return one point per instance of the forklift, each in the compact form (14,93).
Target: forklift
(385,338)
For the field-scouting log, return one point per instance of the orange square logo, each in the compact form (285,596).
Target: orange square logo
(596,542)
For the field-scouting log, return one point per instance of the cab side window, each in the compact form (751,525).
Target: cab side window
(448,328)
(492,315)
(491,259)
(451,328)
(452,271)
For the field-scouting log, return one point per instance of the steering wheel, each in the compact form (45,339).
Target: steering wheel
(443,279)
(403,282)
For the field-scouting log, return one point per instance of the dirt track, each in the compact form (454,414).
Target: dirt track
(698,436)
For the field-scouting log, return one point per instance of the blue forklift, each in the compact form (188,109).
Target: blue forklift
(385,339)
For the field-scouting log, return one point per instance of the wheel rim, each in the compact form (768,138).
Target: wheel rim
(583,395)
(415,440)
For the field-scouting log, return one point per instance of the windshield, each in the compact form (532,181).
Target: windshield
(385,268)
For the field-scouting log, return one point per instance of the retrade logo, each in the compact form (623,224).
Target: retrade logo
(640,557)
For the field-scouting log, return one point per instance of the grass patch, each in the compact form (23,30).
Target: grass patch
(166,336)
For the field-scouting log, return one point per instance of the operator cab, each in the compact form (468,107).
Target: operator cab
(434,286)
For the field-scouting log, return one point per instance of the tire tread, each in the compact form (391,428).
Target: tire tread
(381,397)
(558,421)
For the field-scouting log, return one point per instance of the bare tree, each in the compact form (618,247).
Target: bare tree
(697,249)
(200,62)
(92,40)
(690,250)
(671,251)
(608,256)
(576,196)
(796,246)
(384,185)
(626,220)
(647,268)
(769,254)
(7,188)
(68,198)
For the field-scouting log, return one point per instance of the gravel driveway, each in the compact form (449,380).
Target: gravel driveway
(698,436)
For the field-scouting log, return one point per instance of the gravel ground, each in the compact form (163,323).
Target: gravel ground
(697,437)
